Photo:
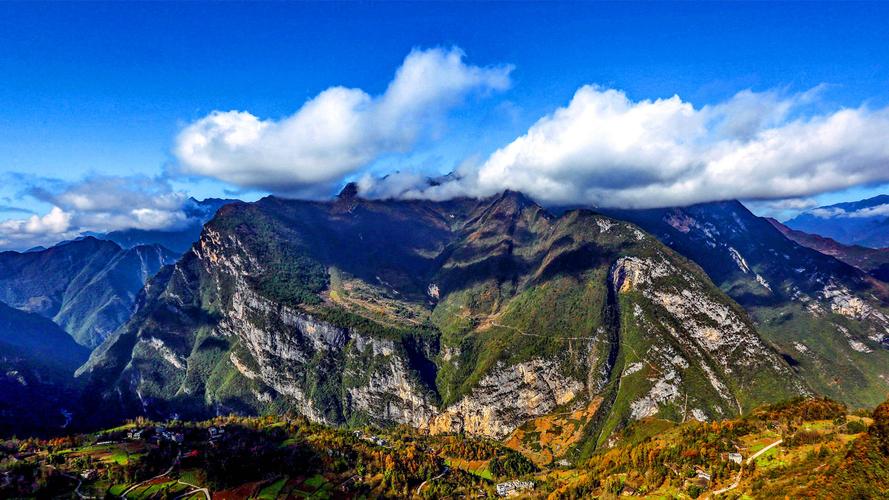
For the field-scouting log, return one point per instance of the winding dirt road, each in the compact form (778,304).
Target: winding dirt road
(748,462)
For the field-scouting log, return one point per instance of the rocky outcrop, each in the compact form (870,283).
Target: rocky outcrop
(508,397)
(699,325)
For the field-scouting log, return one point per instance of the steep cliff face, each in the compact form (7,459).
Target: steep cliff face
(827,318)
(224,331)
(470,316)
(689,351)
(508,396)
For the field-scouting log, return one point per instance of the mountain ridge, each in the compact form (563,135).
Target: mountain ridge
(829,319)
(849,223)
(439,315)
(874,261)
(87,286)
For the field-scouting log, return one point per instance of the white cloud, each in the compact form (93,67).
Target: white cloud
(877,211)
(605,149)
(94,204)
(827,212)
(338,131)
(782,208)
(115,194)
(109,203)
(832,212)
(33,230)
(55,221)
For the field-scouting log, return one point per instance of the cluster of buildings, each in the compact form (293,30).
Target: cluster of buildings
(703,478)
(513,487)
(158,434)
(377,440)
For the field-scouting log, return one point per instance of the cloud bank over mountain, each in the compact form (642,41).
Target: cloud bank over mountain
(601,148)
(338,131)
(832,212)
(604,148)
(776,149)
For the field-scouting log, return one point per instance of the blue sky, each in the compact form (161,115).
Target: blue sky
(106,89)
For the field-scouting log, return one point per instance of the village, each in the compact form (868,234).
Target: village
(273,457)
(267,458)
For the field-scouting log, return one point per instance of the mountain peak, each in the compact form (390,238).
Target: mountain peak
(875,201)
(349,191)
(516,200)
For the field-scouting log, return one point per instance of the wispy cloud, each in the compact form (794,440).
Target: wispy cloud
(15,210)
(834,212)
(781,208)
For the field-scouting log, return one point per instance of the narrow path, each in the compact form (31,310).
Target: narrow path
(79,484)
(445,471)
(167,472)
(347,481)
(197,488)
(77,490)
(494,323)
(521,332)
(760,452)
(748,462)
(69,476)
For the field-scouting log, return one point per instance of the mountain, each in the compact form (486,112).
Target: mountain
(864,222)
(874,261)
(827,318)
(37,361)
(87,286)
(466,315)
(178,240)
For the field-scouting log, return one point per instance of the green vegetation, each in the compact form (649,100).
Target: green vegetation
(257,457)
(279,457)
(814,344)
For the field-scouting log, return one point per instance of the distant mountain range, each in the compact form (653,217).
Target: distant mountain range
(864,223)
(874,261)
(88,286)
